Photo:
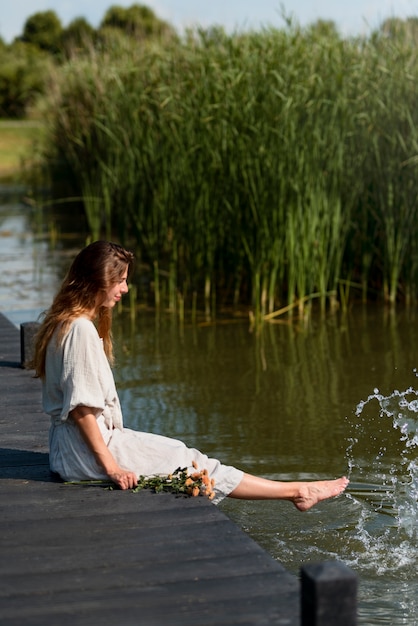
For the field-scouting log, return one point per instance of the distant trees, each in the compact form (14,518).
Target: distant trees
(25,64)
(136,21)
(23,68)
(44,31)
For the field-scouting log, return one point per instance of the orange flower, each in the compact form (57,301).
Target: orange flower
(194,464)
(195,491)
(188,481)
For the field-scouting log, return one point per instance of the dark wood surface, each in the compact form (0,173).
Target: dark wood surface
(87,555)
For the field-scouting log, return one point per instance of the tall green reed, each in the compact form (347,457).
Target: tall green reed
(391,144)
(259,169)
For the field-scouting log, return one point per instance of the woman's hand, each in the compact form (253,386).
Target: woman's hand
(124,479)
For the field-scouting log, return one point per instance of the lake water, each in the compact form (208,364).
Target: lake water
(337,397)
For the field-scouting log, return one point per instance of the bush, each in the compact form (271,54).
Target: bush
(23,73)
(43,30)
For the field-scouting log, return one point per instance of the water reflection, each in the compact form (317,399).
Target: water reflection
(31,268)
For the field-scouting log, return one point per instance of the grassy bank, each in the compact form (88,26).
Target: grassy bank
(16,146)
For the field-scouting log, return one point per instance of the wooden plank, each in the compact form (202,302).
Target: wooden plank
(148,553)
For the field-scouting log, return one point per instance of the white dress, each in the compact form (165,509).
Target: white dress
(78,374)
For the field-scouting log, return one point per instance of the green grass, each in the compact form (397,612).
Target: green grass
(16,141)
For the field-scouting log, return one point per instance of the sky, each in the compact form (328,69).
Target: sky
(352,17)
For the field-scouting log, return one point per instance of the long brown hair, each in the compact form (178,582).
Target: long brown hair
(93,272)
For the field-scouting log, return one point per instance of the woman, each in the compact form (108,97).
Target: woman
(73,357)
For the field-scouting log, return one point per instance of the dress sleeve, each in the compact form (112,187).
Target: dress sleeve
(84,365)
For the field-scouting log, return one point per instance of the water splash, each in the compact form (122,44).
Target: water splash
(383,469)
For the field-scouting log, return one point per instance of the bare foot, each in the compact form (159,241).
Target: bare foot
(313,492)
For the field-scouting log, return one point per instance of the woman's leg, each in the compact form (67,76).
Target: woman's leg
(304,495)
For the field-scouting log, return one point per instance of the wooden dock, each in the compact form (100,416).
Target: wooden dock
(75,555)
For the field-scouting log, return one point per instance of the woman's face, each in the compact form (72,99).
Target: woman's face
(116,291)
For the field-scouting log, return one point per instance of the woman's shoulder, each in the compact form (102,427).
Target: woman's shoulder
(82,322)
(82,326)
(82,336)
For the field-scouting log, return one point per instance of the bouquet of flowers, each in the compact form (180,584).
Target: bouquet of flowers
(180,481)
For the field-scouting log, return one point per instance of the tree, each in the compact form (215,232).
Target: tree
(23,72)
(43,30)
(137,21)
(78,35)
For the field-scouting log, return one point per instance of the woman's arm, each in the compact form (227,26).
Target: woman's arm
(84,418)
